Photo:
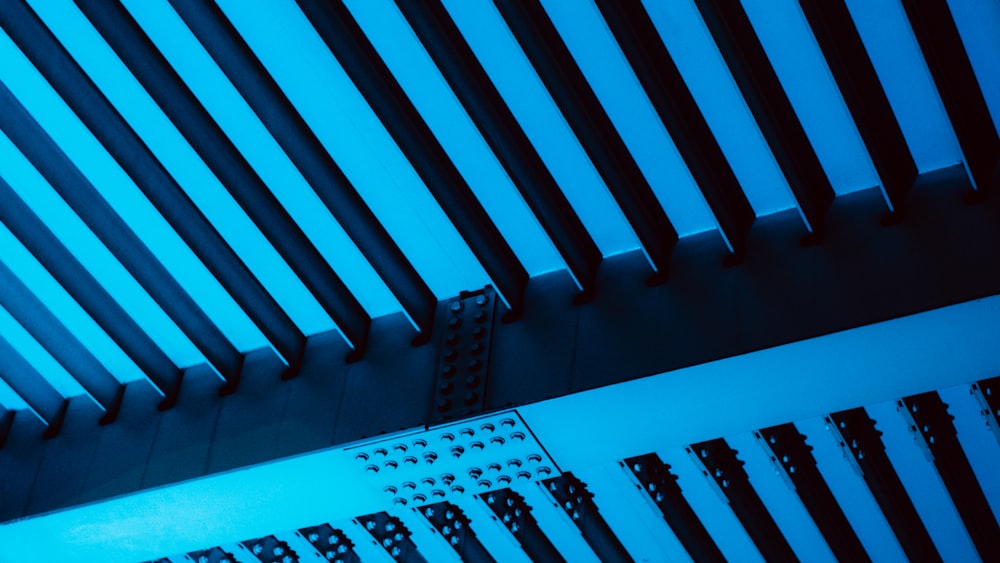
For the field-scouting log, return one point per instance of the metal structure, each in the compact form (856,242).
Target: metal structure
(467,280)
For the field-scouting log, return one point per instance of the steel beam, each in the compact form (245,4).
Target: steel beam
(958,87)
(862,441)
(453,525)
(390,533)
(109,227)
(484,104)
(597,134)
(862,91)
(34,389)
(756,79)
(348,43)
(515,515)
(88,292)
(163,83)
(577,502)
(660,485)
(60,343)
(932,423)
(792,457)
(723,468)
(680,114)
(137,160)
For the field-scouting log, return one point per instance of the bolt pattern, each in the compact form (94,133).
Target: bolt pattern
(390,533)
(510,508)
(988,393)
(719,462)
(270,549)
(331,543)
(857,432)
(788,447)
(928,417)
(450,522)
(212,555)
(654,477)
(464,356)
(572,496)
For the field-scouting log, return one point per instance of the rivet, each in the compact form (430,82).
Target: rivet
(455,306)
(479,317)
(477,348)
(470,398)
(443,404)
(475,364)
(454,323)
(446,387)
(481,300)
(448,371)
(452,338)
(471,380)
(450,355)
(479,332)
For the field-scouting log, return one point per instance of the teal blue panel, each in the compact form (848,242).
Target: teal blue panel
(406,58)
(70,314)
(74,234)
(87,154)
(802,70)
(37,356)
(707,76)
(602,62)
(245,130)
(10,400)
(978,23)
(529,101)
(900,66)
(321,91)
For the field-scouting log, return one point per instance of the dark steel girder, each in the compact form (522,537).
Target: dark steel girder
(862,91)
(788,448)
(35,390)
(597,134)
(756,79)
(726,470)
(28,310)
(956,83)
(137,160)
(865,444)
(863,273)
(88,292)
(681,116)
(111,229)
(484,104)
(348,43)
(163,83)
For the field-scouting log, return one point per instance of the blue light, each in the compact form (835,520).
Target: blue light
(978,22)
(413,68)
(37,356)
(602,62)
(720,101)
(529,101)
(310,76)
(907,82)
(244,129)
(799,63)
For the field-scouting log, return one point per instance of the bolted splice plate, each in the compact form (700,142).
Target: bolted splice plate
(472,456)
(464,351)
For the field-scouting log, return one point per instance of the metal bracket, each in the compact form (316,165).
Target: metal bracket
(719,465)
(855,433)
(464,354)
(787,449)
(922,424)
(331,543)
(391,534)
(212,555)
(450,521)
(270,549)
(987,393)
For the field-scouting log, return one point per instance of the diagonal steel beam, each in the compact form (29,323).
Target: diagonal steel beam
(494,119)
(88,292)
(136,159)
(590,123)
(679,112)
(34,389)
(58,341)
(756,79)
(357,55)
(109,227)
(859,85)
(191,118)
(956,83)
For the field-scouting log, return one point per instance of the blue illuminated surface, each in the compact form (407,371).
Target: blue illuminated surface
(406,58)
(978,22)
(350,131)
(893,50)
(937,349)
(79,240)
(245,130)
(68,311)
(707,77)
(597,54)
(38,356)
(9,399)
(117,188)
(536,113)
(799,63)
